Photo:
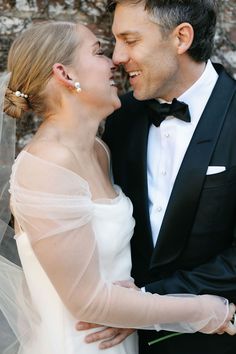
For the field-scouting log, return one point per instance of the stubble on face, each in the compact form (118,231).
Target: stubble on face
(151,54)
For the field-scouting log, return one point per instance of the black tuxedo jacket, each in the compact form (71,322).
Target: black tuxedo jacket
(196,247)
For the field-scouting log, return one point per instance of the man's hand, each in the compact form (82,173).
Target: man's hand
(127,284)
(108,336)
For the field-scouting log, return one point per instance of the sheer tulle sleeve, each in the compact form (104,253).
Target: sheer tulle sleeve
(53,206)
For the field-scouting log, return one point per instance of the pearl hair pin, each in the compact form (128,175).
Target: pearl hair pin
(20,94)
(77,86)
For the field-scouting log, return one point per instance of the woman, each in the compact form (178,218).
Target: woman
(73,226)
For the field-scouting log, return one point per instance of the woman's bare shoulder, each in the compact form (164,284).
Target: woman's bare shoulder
(52,151)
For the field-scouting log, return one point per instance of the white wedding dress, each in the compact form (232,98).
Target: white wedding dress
(72,249)
(113,225)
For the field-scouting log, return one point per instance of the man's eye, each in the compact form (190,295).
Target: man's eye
(130,42)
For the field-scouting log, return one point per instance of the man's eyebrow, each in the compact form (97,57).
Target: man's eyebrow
(128,33)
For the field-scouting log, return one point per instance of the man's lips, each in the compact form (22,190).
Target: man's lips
(133,74)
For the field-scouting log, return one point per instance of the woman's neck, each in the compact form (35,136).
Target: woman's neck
(75,127)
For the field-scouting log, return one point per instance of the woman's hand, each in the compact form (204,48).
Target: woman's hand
(229,326)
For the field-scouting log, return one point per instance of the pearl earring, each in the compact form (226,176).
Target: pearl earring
(77,86)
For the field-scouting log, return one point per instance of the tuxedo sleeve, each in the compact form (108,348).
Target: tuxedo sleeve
(217,276)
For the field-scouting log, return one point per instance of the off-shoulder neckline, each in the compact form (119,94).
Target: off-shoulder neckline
(97,201)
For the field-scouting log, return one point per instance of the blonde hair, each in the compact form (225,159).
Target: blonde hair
(30,61)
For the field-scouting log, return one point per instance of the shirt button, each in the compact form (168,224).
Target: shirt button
(163,173)
(159,209)
(167,135)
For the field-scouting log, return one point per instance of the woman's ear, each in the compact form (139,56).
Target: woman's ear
(60,73)
(184,34)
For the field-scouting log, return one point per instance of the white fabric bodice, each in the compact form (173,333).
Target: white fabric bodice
(113,227)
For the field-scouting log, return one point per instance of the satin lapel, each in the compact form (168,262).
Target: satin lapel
(181,209)
(137,186)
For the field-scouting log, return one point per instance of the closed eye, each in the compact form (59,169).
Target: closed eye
(130,42)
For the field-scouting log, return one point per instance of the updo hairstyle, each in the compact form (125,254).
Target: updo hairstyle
(30,60)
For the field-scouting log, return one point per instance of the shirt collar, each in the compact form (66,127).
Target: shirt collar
(197,95)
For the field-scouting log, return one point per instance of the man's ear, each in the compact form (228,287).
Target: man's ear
(60,73)
(184,34)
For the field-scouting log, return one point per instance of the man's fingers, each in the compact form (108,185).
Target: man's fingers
(82,326)
(106,333)
(126,284)
(109,337)
(114,341)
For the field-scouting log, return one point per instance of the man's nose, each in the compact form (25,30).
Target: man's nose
(120,55)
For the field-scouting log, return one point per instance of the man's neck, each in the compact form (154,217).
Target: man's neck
(189,73)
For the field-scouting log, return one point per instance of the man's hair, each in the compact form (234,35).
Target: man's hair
(200,14)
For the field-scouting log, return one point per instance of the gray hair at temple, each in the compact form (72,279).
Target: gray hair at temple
(200,14)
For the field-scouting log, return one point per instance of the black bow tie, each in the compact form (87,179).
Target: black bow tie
(159,111)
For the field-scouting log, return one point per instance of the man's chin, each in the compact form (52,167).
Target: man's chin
(139,96)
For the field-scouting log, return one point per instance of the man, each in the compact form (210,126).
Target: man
(180,173)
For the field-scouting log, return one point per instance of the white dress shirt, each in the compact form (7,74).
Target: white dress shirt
(167,146)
